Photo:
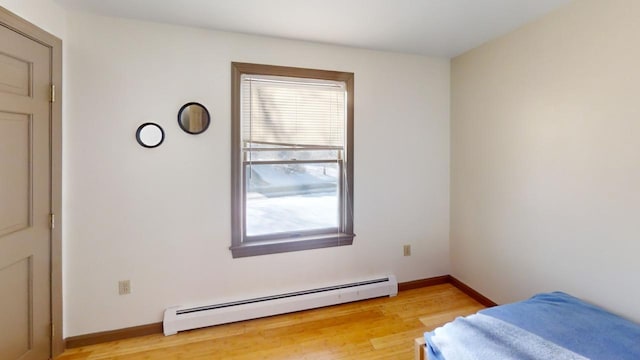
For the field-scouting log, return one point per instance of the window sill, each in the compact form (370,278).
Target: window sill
(280,246)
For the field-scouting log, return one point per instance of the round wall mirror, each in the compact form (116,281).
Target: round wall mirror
(150,135)
(193,118)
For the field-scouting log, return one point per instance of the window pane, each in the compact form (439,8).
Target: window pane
(288,198)
(292,159)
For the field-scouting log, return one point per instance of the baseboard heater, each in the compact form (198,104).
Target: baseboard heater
(187,318)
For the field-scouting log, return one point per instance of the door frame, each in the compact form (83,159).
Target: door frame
(29,30)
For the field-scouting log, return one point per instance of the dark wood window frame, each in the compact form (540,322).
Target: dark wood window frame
(241,248)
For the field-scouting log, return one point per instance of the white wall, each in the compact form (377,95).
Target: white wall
(45,14)
(545,191)
(161,217)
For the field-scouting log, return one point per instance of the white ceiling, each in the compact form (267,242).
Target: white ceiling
(430,27)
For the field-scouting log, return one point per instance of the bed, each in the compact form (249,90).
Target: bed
(548,326)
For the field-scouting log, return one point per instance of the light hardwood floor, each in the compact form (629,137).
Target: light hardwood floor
(374,329)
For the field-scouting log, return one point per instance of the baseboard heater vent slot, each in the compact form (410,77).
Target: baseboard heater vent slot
(182,318)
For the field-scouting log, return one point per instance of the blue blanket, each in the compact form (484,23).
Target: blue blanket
(559,323)
(479,337)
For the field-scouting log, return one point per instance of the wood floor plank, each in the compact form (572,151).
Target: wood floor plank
(374,329)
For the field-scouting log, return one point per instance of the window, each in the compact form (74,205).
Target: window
(292,159)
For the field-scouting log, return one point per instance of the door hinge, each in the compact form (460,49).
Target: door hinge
(52,221)
(52,93)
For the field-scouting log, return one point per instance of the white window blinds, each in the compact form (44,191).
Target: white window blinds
(293,112)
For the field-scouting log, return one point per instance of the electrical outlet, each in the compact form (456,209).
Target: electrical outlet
(124,287)
(407,250)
